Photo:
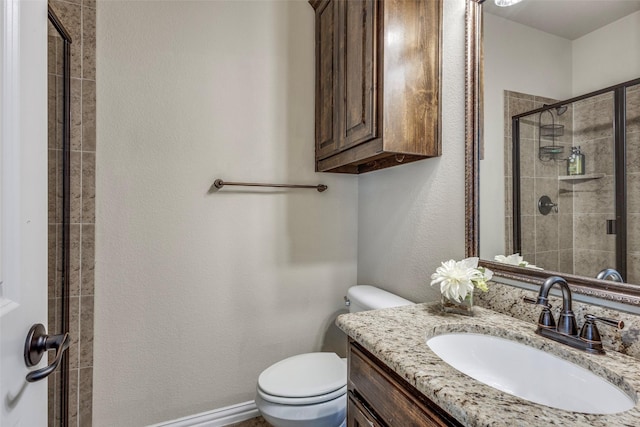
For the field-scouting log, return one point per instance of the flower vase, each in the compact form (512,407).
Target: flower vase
(465,307)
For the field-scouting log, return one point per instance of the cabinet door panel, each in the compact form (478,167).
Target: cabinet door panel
(358,71)
(326,74)
(358,415)
(394,404)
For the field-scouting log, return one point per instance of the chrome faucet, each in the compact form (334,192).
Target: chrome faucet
(611,274)
(566,330)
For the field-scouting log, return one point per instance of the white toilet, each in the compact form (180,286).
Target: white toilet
(310,390)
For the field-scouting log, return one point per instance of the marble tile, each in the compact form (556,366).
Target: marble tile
(565,231)
(75,238)
(52,35)
(519,105)
(588,262)
(520,95)
(59,259)
(88,188)
(633,233)
(73,397)
(89,42)
(633,152)
(528,235)
(507,117)
(70,15)
(566,197)
(528,152)
(85,386)
(76,114)
(76,187)
(51,111)
(508,152)
(88,115)
(52,185)
(593,120)
(546,168)
(88,260)
(51,259)
(59,187)
(59,113)
(596,196)
(86,332)
(508,196)
(74,332)
(590,232)
(565,261)
(546,234)
(548,260)
(508,235)
(599,156)
(528,203)
(633,192)
(633,109)
(633,267)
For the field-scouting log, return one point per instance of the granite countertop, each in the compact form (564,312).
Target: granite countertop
(397,336)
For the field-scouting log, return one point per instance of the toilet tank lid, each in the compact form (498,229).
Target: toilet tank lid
(304,375)
(374,298)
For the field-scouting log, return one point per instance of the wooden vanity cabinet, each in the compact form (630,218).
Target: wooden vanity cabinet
(380,397)
(378,65)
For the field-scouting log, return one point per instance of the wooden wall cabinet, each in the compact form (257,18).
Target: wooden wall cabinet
(378,396)
(378,65)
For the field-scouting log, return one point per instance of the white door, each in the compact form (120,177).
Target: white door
(23,205)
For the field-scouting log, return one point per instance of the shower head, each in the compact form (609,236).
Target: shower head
(561,110)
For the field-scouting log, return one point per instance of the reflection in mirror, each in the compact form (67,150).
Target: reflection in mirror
(566,212)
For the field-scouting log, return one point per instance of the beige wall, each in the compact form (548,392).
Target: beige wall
(197,293)
(614,47)
(410,218)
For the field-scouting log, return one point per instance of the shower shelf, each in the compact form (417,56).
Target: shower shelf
(580,178)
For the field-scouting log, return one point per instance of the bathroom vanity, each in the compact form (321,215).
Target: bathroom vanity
(378,393)
(395,379)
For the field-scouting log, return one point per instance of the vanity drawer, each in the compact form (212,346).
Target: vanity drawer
(392,400)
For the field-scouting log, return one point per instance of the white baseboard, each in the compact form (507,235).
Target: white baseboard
(217,417)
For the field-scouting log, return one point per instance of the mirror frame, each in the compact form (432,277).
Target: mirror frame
(604,289)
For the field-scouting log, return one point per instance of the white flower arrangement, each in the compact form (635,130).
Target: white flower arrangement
(457,279)
(515,259)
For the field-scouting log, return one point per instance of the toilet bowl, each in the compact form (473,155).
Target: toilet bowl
(310,390)
(307,389)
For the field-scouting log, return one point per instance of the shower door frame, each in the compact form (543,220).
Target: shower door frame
(66,207)
(620,166)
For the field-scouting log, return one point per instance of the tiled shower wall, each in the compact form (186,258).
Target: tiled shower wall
(633,184)
(78,17)
(546,239)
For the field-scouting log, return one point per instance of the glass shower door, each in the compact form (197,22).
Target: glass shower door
(632,133)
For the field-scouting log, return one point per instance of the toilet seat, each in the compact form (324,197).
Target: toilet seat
(304,379)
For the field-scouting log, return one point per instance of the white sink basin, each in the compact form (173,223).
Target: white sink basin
(530,373)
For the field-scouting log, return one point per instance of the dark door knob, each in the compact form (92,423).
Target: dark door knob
(37,344)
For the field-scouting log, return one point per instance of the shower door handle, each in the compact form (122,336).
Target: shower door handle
(37,344)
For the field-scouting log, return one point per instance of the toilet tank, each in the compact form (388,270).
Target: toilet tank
(365,297)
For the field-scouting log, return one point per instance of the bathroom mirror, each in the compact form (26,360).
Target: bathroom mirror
(531,72)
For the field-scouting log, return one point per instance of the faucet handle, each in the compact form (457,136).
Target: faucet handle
(589,331)
(546,319)
(618,324)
